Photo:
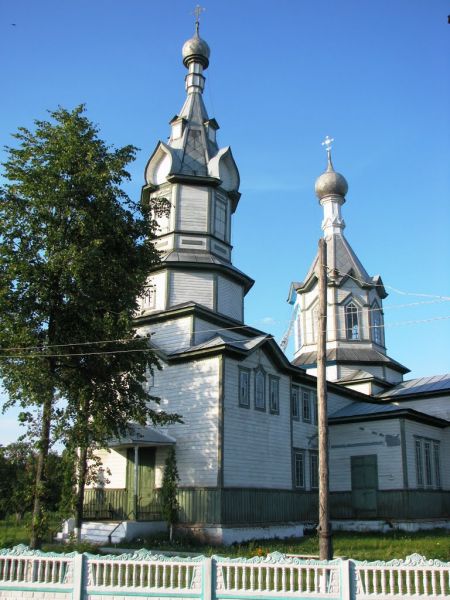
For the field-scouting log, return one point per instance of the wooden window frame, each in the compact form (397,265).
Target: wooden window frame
(428,463)
(295,402)
(351,312)
(296,484)
(313,471)
(244,371)
(308,418)
(274,408)
(260,371)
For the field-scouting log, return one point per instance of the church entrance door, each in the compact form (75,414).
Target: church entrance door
(364,485)
(145,481)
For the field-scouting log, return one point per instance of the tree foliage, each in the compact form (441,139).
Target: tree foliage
(17,477)
(169,501)
(75,255)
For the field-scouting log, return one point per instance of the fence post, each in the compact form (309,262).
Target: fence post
(78,577)
(207,579)
(346,583)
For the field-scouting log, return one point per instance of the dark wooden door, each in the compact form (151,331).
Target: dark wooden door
(364,485)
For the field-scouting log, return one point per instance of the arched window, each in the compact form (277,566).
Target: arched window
(298,321)
(377,324)
(352,321)
(260,389)
(314,323)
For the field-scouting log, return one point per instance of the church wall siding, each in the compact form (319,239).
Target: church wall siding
(193,209)
(257,445)
(381,438)
(192,391)
(192,287)
(439,406)
(160,459)
(114,461)
(229,298)
(170,335)
(348,370)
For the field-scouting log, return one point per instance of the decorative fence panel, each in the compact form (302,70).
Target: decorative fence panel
(415,577)
(24,570)
(27,573)
(277,576)
(145,574)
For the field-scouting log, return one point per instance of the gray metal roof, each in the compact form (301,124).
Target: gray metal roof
(361,408)
(221,340)
(342,258)
(421,385)
(202,257)
(357,355)
(140,435)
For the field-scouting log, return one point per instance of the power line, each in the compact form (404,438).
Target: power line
(140,350)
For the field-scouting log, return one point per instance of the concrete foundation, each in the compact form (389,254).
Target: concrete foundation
(386,526)
(221,535)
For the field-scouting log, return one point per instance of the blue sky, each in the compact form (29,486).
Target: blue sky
(282,75)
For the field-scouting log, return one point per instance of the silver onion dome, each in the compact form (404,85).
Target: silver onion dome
(196,49)
(331,183)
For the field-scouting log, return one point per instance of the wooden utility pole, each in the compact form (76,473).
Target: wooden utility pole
(324,529)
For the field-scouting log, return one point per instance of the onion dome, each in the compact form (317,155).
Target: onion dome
(331,183)
(196,50)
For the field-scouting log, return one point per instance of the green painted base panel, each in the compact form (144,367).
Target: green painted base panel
(248,506)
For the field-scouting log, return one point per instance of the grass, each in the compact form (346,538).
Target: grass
(360,546)
(14,531)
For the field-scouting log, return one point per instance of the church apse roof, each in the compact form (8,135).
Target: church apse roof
(436,384)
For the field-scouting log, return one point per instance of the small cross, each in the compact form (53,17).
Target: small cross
(197,12)
(327,143)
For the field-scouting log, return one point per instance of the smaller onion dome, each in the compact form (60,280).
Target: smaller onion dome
(196,50)
(331,183)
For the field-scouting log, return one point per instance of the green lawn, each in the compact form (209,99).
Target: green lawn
(360,546)
(13,531)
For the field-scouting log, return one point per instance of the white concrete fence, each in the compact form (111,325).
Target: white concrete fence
(49,576)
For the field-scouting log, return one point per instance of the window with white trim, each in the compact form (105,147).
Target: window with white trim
(376,320)
(314,323)
(274,394)
(315,408)
(299,468)
(306,406)
(428,464)
(295,402)
(148,300)
(314,470)
(352,321)
(220,221)
(260,389)
(244,387)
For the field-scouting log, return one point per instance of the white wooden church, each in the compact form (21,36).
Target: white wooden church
(247,449)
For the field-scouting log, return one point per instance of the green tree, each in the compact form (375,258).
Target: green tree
(75,254)
(17,476)
(169,501)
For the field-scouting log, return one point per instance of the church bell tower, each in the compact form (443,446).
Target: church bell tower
(356,348)
(200,182)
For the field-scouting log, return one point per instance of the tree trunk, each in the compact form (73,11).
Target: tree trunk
(83,427)
(81,483)
(37,525)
